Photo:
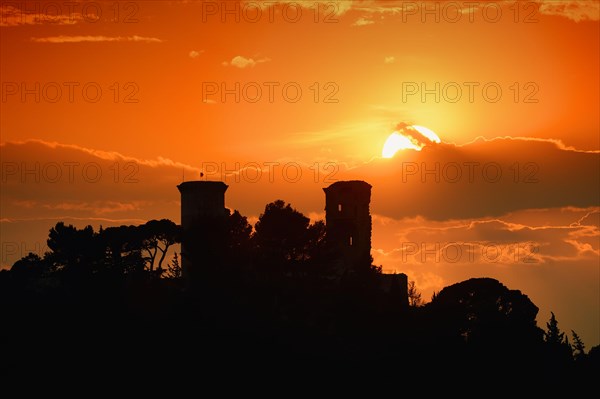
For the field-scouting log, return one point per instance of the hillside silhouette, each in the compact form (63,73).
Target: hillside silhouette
(274,292)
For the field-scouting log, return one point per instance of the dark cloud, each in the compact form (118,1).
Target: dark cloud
(443,181)
(482,178)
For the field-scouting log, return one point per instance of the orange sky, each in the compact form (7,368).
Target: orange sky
(160,57)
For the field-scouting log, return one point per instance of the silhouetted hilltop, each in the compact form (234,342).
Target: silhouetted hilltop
(283,291)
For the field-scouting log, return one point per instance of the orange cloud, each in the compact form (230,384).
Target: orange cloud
(575,10)
(14,16)
(95,39)
(362,21)
(95,207)
(482,178)
(195,54)
(243,62)
(336,7)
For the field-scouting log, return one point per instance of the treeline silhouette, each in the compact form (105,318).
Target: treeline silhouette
(273,293)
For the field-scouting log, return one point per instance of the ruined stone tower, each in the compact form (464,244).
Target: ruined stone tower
(348,222)
(348,228)
(199,200)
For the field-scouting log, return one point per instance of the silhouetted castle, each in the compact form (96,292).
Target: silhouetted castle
(347,219)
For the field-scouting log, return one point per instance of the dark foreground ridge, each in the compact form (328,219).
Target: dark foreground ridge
(287,294)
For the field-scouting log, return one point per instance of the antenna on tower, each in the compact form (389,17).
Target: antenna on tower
(182,175)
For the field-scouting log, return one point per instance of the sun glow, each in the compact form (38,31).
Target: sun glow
(397,142)
(427,133)
(404,140)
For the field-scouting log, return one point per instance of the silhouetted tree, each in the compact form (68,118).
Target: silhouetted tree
(156,237)
(414,296)
(558,348)
(29,264)
(174,269)
(284,236)
(239,231)
(123,249)
(28,270)
(578,346)
(74,251)
(553,336)
(593,357)
(319,257)
(483,313)
(316,243)
(238,241)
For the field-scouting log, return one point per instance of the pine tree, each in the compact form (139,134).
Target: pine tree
(558,346)
(554,335)
(578,346)
(414,296)
(174,269)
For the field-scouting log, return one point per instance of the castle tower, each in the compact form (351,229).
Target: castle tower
(199,200)
(348,221)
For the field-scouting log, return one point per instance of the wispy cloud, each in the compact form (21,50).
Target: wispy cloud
(95,39)
(485,241)
(363,22)
(98,154)
(14,16)
(195,53)
(335,7)
(68,217)
(575,10)
(243,62)
(97,207)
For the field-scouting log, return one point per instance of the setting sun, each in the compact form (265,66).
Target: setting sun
(430,134)
(397,142)
(407,140)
